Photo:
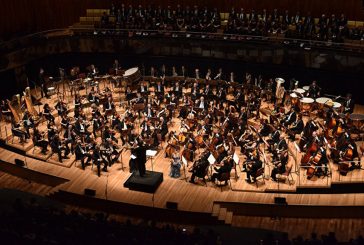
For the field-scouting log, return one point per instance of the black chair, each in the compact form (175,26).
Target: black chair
(225,177)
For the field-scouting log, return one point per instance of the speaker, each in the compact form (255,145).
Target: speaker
(280,200)
(90,192)
(172,205)
(19,162)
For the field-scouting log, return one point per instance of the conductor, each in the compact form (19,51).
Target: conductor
(141,157)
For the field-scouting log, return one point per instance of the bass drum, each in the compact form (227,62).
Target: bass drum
(132,74)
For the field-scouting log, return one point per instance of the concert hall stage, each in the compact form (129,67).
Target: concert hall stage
(148,183)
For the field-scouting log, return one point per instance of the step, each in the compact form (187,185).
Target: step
(222,214)
(215,210)
(229,218)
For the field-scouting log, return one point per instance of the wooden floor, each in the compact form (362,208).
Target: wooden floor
(190,197)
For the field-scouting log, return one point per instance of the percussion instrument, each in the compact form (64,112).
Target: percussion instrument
(51,90)
(336,106)
(306,104)
(132,74)
(299,91)
(357,119)
(294,98)
(321,102)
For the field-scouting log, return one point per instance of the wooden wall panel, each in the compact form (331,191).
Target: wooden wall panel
(35,15)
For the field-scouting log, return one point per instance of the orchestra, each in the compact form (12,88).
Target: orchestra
(214,118)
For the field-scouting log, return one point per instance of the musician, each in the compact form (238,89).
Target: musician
(177,89)
(219,75)
(159,89)
(5,110)
(42,83)
(201,103)
(349,104)
(28,122)
(143,89)
(80,127)
(92,97)
(195,91)
(174,72)
(108,134)
(57,147)
(98,159)
(163,127)
(77,102)
(38,140)
(208,75)
(197,73)
(109,106)
(264,128)
(81,153)
(296,128)
(281,146)
(225,168)
(274,137)
(93,71)
(61,107)
(314,90)
(207,91)
(321,157)
(232,77)
(175,165)
(17,131)
(280,166)
(69,136)
(289,118)
(139,99)
(252,168)
(200,167)
(148,111)
(111,151)
(47,113)
(116,66)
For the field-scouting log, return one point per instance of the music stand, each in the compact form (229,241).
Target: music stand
(150,154)
(296,164)
(237,162)
(212,161)
(185,163)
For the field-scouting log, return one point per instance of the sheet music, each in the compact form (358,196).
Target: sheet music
(236,158)
(151,153)
(211,159)
(184,161)
(133,157)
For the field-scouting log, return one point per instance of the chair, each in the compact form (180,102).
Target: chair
(224,177)
(285,176)
(203,175)
(259,173)
(16,133)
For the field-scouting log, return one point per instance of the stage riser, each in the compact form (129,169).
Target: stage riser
(136,211)
(293,211)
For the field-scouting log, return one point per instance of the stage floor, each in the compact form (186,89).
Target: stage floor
(190,197)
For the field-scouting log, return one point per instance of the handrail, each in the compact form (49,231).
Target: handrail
(304,43)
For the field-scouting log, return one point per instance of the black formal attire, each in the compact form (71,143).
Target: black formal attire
(141,159)
(257,164)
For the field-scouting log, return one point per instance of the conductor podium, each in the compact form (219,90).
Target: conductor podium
(148,183)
